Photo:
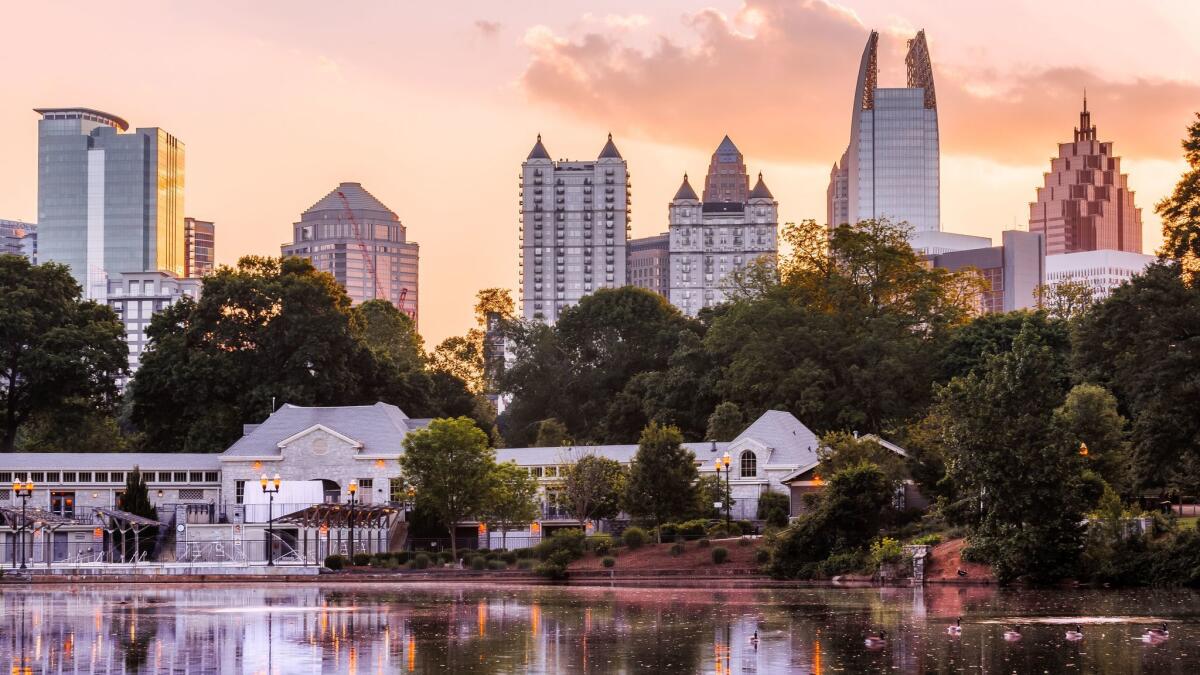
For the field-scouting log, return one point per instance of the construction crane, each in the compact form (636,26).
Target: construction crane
(368,258)
(412,313)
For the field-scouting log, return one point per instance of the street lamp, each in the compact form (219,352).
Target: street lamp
(270,492)
(725,461)
(24,492)
(353,492)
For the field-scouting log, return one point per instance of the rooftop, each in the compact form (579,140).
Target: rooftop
(356,198)
(98,115)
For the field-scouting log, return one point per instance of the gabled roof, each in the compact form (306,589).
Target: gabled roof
(538,151)
(318,427)
(760,190)
(609,151)
(792,442)
(357,198)
(685,191)
(379,428)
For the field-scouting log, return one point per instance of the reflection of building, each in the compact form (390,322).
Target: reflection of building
(648,261)
(712,240)
(1103,270)
(137,296)
(574,228)
(1085,203)
(362,243)
(1012,271)
(108,202)
(199,247)
(18,238)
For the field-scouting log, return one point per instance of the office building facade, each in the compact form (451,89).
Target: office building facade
(1012,271)
(362,243)
(199,246)
(711,240)
(1085,203)
(1102,270)
(649,260)
(137,296)
(108,201)
(574,229)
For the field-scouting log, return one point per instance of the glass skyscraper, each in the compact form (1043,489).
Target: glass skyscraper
(891,167)
(108,202)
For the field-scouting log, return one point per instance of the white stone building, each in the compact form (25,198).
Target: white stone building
(1103,270)
(137,296)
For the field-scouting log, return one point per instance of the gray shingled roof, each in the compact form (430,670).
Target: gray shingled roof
(760,190)
(109,461)
(685,191)
(358,198)
(791,441)
(539,150)
(380,428)
(621,453)
(609,151)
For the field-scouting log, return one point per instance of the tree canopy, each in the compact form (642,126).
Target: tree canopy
(662,477)
(593,486)
(1180,210)
(512,499)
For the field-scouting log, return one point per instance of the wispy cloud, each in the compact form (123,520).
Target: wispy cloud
(487,28)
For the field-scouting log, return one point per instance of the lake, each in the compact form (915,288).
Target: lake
(388,628)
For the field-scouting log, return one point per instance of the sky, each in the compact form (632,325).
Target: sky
(433,110)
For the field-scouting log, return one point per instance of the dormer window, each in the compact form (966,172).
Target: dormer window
(749,464)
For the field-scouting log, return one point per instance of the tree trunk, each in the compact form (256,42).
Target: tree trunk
(453,545)
(504,538)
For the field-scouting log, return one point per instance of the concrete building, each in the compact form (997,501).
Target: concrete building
(362,243)
(711,240)
(1013,270)
(137,296)
(108,202)
(1103,270)
(18,238)
(1085,203)
(574,229)
(649,260)
(199,246)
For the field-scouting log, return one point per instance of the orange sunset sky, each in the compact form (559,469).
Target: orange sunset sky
(433,107)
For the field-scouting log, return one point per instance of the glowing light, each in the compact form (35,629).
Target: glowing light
(1083,449)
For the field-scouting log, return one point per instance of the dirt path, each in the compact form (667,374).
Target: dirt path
(946,559)
(658,557)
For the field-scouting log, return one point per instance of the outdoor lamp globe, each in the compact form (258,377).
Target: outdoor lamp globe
(277,481)
(263,481)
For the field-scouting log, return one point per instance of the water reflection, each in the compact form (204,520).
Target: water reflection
(389,628)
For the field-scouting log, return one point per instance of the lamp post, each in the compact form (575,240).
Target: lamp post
(725,461)
(270,492)
(353,492)
(24,491)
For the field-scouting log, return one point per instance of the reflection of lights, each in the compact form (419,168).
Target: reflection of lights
(535,619)
(817,657)
(481,617)
(412,653)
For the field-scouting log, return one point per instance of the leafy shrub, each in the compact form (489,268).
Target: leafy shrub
(509,557)
(497,565)
(484,551)
(634,537)
(571,541)
(402,556)
(773,508)
(886,550)
(362,559)
(523,553)
(601,544)
(762,555)
(703,543)
(555,566)
(608,561)
(928,540)
(421,561)
(525,563)
(720,554)
(676,549)
(692,528)
(747,527)
(744,541)
(719,531)
(840,563)
(335,562)
(478,562)
(445,557)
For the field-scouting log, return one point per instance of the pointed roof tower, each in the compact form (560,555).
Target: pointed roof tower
(354,197)
(609,151)
(685,191)
(538,151)
(727,180)
(1086,131)
(760,190)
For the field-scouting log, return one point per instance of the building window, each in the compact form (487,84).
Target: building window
(196,477)
(239,491)
(62,504)
(116,477)
(101,476)
(180,477)
(85,477)
(211,477)
(749,465)
(68,477)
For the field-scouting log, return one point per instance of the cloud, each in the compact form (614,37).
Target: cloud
(778,76)
(487,28)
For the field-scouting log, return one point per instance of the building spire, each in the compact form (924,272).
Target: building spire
(538,151)
(1086,131)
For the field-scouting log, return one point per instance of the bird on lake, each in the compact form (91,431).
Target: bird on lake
(1075,633)
(754,640)
(876,640)
(956,629)
(1013,634)
(1155,634)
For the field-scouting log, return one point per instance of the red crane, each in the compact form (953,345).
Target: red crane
(412,313)
(368,259)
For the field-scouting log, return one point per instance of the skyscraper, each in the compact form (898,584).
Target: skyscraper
(362,243)
(649,259)
(18,238)
(199,246)
(108,202)
(574,229)
(732,228)
(1085,203)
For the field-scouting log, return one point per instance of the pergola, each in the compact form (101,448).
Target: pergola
(115,521)
(372,519)
(19,520)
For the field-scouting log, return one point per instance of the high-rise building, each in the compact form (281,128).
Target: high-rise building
(649,259)
(137,296)
(1085,203)
(1102,270)
(1012,271)
(362,243)
(574,229)
(710,240)
(108,202)
(18,238)
(199,246)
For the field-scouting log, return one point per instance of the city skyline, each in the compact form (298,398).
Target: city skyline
(500,79)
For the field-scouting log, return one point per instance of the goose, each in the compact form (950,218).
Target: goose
(1075,633)
(1158,633)
(956,629)
(1013,634)
(876,640)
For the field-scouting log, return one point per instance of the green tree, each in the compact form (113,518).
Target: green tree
(725,422)
(662,477)
(592,488)
(1181,210)
(388,332)
(450,466)
(136,500)
(512,500)
(970,345)
(840,450)
(1089,415)
(1067,300)
(1016,469)
(59,355)
(551,434)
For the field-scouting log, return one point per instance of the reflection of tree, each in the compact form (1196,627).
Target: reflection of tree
(137,632)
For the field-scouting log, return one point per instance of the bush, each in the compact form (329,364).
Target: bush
(773,508)
(608,561)
(744,541)
(747,527)
(555,566)
(927,540)
(525,563)
(692,528)
(886,550)
(720,554)
(402,556)
(762,555)
(676,549)
(719,531)
(335,562)
(445,557)
(509,557)
(421,561)
(840,563)
(601,544)
(478,562)
(362,559)
(703,543)
(634,537)
(497,565)
(523,553)
(570,541)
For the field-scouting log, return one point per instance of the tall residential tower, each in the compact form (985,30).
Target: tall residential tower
(199,246)
(574,229)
